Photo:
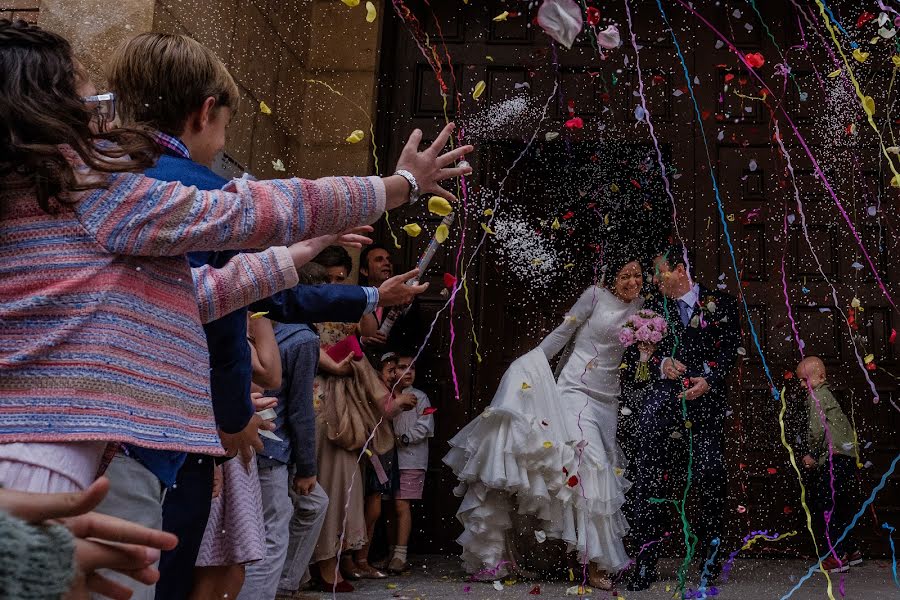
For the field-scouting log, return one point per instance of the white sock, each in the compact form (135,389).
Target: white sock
(400,553)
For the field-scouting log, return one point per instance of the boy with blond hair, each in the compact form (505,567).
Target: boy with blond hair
(831,460)
(183,93)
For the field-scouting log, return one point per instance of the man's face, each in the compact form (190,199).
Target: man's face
(336,274)
(666,279)
(407,369)
(379,267)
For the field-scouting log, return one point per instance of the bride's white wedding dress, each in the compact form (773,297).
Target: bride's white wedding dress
(548,448)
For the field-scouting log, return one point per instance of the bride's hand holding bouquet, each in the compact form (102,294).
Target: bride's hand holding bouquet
(646,329)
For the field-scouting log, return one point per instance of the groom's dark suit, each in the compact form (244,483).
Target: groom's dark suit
(707,345)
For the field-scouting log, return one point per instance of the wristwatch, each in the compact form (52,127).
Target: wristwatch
(404,439)
(413,184)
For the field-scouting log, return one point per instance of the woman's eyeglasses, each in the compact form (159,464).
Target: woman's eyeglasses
(102,105)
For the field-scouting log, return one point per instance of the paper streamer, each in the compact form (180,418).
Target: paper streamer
(701,589)
(803,503)
(893,553)
(719,205)
(749,540)
(865,505)
(659,156)
(816,167)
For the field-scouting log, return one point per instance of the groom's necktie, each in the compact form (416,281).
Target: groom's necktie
(685,311)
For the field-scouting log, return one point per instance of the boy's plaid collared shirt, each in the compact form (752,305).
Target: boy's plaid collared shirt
(172,144)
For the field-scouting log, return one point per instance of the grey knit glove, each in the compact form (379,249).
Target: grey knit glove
(36,561)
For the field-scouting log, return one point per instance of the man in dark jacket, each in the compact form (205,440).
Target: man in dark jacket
(694,360)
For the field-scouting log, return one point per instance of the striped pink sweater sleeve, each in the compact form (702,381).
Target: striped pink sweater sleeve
(137,215)
(245,279)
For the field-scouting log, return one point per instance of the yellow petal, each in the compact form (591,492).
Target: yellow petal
(439,206)
(893,149)
(264,108)
(834,74)
(259,315)
(855,303)
(895,182)
(614,188)
(568,265)
(488,212)
(278,165)
(351,3)
(487,229)
(555,224)
(441,233)
(547,444)
(869,105)
(688,424)
(869,358)
(501,17)
(368,452)
(536,261)
(896,60)
(479,90)
(730,218)
(860,56)
(356,137)
(412,229)
(489,57)
(371,13)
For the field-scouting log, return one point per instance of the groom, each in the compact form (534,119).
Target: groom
(693,361)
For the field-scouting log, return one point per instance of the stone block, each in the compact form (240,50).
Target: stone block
(289,96)
(165,22)
(96,27)
(328,118)
(270,144)
(256,52)
(20,4)
(341,39)
(239,142)
(291,20)
(328,161)
(210,23)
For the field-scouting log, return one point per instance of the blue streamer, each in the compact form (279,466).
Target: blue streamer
(893,553)
(856,517)
(837,24)
(701,591)
(715,184)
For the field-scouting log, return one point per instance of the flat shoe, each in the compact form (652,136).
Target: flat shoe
(366,571)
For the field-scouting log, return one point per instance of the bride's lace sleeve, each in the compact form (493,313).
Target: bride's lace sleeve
(575,318)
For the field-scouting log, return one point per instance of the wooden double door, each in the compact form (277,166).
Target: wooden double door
(602,181)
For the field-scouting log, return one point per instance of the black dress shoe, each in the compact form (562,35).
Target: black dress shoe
(643,577)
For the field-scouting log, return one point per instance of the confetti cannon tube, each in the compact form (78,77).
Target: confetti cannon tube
(424,261)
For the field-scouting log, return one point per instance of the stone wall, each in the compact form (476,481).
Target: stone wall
(273,48)
(27,10)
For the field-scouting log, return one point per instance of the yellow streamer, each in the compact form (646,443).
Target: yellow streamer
(762,536)
(809,527)
(361,110)
(859,93)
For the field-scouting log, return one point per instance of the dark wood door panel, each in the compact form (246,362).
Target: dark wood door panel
(511,310)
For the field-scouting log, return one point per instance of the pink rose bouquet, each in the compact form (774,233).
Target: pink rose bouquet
(646,328)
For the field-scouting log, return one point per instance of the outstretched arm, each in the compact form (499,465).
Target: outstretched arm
(575,318)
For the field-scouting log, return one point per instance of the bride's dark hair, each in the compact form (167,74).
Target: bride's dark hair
(40,111)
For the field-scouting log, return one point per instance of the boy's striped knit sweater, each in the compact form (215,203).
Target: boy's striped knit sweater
(100,335)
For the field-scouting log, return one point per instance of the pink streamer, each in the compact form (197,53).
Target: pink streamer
(806,148)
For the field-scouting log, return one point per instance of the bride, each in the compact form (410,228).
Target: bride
(547,447)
